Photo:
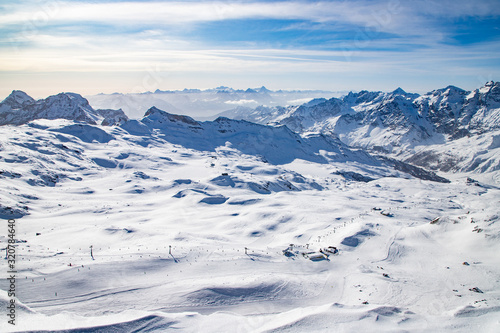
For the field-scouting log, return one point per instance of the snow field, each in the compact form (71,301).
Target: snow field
(132,198)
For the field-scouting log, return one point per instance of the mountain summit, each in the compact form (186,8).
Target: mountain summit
(17,99)
(19,108)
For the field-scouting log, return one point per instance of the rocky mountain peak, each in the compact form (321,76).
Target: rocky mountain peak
(399,91)
(159,116)
(67,101)
(18,98)
(491,90)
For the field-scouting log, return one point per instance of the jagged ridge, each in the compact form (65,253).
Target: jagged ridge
(398,123)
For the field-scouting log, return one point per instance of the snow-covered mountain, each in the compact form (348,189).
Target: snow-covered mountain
(397,123)
(373,120)
(271,145)
(458,113)
(166,222)
(19,108)
(276,145)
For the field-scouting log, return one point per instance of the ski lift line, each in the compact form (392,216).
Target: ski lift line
(199,252)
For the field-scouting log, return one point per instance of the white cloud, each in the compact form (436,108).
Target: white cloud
(391,16)
(242,102)
(118,57)
(415,18)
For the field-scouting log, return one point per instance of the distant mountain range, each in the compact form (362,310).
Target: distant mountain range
(447,129)
(204,104)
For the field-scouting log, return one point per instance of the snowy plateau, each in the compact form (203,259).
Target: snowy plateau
(369,212)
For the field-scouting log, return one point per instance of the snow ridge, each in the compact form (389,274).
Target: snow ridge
(277,145)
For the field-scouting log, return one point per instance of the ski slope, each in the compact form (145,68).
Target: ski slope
(230,234)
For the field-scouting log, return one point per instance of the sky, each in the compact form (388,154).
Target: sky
(89,47)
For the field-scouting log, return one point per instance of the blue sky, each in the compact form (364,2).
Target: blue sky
(49,46)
